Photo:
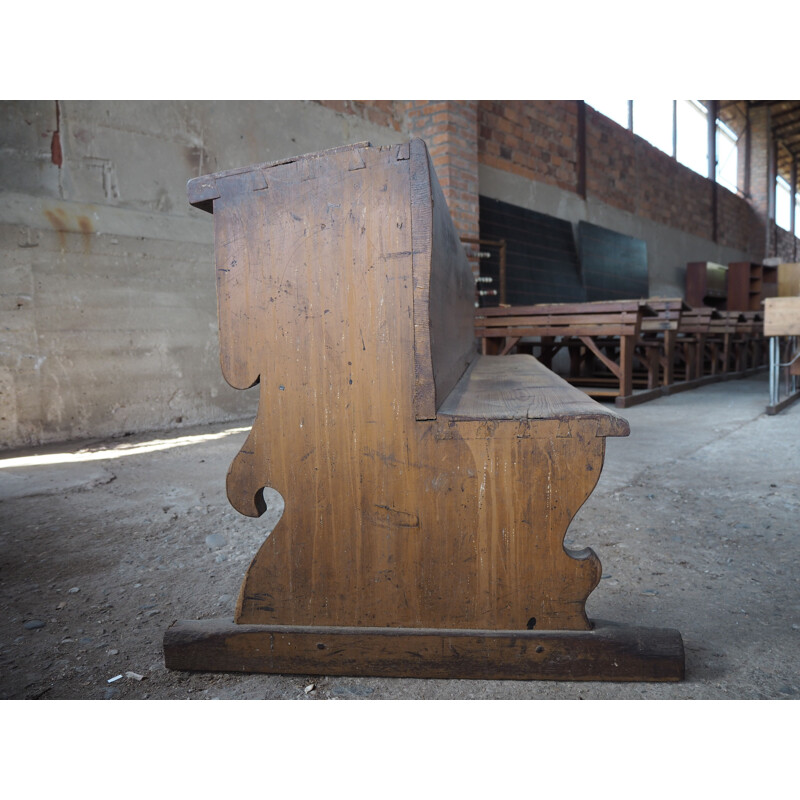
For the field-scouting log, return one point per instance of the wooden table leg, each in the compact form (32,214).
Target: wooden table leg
(626,346)
(669,357)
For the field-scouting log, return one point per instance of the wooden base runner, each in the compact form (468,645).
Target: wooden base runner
(643,396)
(609,652)
(787,401)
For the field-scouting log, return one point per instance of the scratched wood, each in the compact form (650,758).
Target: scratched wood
(608,652)
(425,486)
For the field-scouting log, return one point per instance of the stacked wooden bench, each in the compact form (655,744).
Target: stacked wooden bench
(720,344)
(607,331)
(644,348)
(428,488)
(692,332)
(749,343)
(656,345)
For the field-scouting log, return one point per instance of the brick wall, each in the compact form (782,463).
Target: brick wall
(610,162)
(786,245)
(450,129)
(738,224)
(537,140)
(759,162)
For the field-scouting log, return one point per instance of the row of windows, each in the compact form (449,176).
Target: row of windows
(680,128)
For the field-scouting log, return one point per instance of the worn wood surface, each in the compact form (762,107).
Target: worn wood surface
(609,652)
(692,332)
(782,316)
(720,343)
(421,488)
(425,486)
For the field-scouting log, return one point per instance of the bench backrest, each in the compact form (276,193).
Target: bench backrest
(603,318)
(724,323)
(696,320)
(751,323)
(338,267)
(668,314)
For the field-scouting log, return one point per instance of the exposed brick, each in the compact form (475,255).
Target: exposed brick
(450,129)
(537,140)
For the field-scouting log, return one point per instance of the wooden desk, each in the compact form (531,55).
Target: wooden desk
(782,322)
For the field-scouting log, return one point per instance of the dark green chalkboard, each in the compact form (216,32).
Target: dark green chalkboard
(541,254)
(613,266)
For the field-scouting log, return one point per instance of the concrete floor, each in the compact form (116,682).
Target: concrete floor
(695,519)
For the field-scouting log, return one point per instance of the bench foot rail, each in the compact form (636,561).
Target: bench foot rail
(609,652)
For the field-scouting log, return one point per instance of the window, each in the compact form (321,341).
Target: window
(783,204)
(656,120)
(613,109)
(652,120)
(692,120)
(727,150)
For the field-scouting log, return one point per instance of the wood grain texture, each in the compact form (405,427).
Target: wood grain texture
(427,488)
(782,316)
(519,387)
(609,652)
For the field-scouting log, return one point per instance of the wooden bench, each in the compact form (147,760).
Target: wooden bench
(720,343)
(749,344)
(658,338)
(607,331)
(427,488)
(690,347)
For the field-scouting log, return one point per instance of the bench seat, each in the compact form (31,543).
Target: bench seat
(517,387)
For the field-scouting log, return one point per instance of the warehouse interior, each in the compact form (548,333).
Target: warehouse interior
(117,426)
(110,319)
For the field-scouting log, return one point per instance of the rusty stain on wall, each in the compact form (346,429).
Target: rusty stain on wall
(63,223)
(85,225)
(58,219)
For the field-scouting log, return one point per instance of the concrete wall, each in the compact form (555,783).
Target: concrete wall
(107,296)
